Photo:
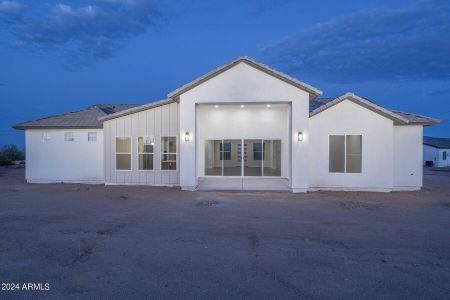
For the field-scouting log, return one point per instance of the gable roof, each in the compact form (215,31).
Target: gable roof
(84,118)
(441,143)
(399,117)
(314,92)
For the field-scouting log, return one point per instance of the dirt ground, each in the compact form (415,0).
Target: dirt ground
(91,241)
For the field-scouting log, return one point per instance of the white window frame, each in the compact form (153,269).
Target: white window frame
(69,140)
(46,136)
(162,153)
(115,153)
(138,153)
(345,153)
(92,132)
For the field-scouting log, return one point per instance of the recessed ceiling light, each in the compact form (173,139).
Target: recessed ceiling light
(268,105)
(216,106)
(242,106)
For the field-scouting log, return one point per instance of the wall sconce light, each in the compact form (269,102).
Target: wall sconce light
(187,137)
(300,136)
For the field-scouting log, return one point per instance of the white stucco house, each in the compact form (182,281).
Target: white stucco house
(243,125)
(436,151)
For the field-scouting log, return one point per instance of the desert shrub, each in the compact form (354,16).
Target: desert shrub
(10,153)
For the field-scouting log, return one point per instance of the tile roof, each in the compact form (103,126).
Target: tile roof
(135,109)
(400,117)
(442,143)
(85,118)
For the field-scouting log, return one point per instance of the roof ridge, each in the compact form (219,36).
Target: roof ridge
(251,62)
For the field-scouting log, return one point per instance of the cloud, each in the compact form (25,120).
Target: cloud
(91,32)
(10,11)
(408,43)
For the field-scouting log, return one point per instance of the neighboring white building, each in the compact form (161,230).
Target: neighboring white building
(241,126)
(436,151)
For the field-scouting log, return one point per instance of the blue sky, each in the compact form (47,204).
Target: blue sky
(58,56)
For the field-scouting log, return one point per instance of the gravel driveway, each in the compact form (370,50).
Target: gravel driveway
(90,241)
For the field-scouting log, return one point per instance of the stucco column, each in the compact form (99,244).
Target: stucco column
(188,176)
(299,149)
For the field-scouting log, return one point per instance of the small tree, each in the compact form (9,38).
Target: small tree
(9,153)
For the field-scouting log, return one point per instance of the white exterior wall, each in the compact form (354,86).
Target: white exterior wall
(436,155)
(430,153)
(56,160)
(156,122)
(408,158)
(241,84)
(250,122)
(347,118)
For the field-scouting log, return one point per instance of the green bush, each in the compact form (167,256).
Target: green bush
(9,153)
(5,162)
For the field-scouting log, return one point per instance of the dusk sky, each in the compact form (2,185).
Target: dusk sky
(59,56)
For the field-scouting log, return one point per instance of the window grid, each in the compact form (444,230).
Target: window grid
(145,153)
(168,153)
(68,136)
(92,136)
(258,151)
(124,154)
(225,151)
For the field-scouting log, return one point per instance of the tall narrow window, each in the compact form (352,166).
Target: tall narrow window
(345,153)
(145,153)
(68,137)
(123,153)
(168,153)
(225,151)
(353,154)
(337,153)
(258,151)
(92,136)
(444,155)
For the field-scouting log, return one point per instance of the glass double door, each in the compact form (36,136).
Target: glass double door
(243,157)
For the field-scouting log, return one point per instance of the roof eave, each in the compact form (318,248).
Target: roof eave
(136,109)
(27,127)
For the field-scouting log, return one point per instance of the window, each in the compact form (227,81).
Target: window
(258,151)
(46,137)
(68,137)
(345,153)
(145,153)
(168,153)
(444,155)
(225,151)
(123,153)
(92,136)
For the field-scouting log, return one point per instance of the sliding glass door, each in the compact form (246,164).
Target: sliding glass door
(243,157)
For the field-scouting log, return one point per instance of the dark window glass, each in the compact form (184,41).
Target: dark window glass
(225,151)
(258,151)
